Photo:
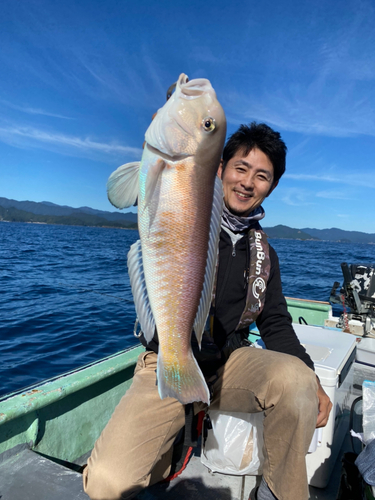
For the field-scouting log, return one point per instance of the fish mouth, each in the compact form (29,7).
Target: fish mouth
(170,158)
(172,120)
(192,89)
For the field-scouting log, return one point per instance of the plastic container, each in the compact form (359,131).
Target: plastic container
(333,353)
(366,351)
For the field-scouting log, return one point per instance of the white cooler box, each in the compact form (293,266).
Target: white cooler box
(333,354)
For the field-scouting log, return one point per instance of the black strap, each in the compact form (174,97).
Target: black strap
(191,432)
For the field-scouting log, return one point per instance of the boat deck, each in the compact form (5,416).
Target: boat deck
(30,476)
(27,474)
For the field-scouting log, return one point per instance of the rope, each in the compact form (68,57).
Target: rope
(346,321)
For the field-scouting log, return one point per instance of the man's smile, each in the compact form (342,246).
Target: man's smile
(242,195)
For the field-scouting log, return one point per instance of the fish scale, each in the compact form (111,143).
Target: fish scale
(179,206)
(174,284)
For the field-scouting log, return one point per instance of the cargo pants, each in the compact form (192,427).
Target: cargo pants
(135,448)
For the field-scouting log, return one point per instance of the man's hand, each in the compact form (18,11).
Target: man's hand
(325,406)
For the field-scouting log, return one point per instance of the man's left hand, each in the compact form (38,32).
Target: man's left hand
(325,406)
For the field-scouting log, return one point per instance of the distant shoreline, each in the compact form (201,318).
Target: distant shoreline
(67,225)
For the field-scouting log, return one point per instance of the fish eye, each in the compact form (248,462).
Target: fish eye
(209,124)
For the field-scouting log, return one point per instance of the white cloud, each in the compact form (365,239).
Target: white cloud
(299,148)
(325,86)
(34,111)
(364,179)
(332,195)
(348,116)
(296,197)
(35,138)
(205,55)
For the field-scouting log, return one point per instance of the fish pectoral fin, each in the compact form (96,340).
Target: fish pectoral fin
(139,290)
(153,174)
(122,185)
(212,255)
(182,379)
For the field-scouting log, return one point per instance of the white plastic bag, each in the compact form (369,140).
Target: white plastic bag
(234,444)
(368,406)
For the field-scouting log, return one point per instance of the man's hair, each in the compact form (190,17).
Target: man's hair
(260,136)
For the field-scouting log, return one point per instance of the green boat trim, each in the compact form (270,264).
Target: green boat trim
(37,415)
(312,311)
(36,397)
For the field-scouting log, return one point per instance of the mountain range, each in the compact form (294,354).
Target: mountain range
(308,233)
(50,213)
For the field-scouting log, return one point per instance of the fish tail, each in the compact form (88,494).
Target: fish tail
(182,380)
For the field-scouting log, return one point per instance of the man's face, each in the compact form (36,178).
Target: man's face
(247,181)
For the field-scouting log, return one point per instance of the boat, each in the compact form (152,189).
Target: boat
(47,430)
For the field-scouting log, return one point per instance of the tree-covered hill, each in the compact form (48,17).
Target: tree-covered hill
(287,232)
(77,219)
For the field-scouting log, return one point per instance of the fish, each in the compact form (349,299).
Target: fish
(180,199)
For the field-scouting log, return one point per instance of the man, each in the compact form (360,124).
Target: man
(135,449)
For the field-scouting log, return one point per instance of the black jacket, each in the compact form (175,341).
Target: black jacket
(274,322)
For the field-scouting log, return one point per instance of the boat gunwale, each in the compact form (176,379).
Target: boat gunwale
(323,302)
(39,395)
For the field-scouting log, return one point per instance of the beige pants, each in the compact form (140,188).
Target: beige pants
(135,448)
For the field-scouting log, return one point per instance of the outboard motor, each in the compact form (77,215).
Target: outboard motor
(358,294)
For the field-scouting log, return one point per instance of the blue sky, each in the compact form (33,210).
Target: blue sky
(81,79)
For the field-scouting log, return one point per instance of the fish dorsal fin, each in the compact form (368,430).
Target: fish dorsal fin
(138,285)
(213,248)
(122,185)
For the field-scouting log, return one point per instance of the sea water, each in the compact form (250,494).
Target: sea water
(65,297)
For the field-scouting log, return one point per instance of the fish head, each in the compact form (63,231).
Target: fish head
(191,123)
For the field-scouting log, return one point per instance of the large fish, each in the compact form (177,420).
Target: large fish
(180,198)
